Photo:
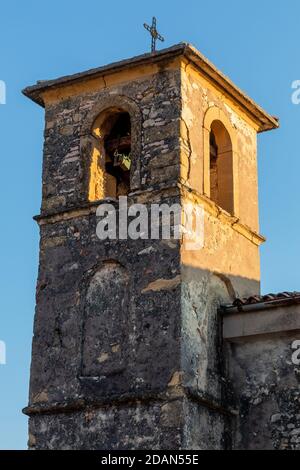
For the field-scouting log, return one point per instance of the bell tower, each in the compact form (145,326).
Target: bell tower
(126,347)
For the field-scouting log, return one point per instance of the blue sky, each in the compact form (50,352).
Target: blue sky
(255,43)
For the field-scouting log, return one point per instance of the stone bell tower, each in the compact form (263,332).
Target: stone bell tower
(126,348)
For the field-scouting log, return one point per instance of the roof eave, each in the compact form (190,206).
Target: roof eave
(34,92)
(264,120)
(259,306)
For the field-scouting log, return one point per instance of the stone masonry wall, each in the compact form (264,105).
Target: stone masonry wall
(266,392)
(116,394)
(65,167)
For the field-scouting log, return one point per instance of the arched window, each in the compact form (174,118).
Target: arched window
(111,159)
(221,167)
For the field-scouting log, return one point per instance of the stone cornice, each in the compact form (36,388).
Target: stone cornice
(173,393)
(187,193)
(214,210)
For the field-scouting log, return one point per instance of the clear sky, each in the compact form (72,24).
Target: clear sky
(255,43)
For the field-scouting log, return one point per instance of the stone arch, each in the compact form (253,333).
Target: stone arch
(105,323)
(218,125)
(90,140)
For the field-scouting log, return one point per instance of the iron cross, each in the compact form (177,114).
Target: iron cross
(154,33)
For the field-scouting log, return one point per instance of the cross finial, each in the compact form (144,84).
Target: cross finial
(154,34)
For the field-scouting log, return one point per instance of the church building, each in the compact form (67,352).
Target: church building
(145,344)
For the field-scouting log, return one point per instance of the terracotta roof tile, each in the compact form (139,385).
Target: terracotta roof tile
(267,299)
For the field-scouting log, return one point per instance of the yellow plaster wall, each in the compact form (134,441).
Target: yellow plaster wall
(228,251)
(199,96)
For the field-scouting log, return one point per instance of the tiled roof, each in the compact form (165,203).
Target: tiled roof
(290,297)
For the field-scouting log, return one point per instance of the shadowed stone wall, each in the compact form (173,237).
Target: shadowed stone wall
(264,377)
